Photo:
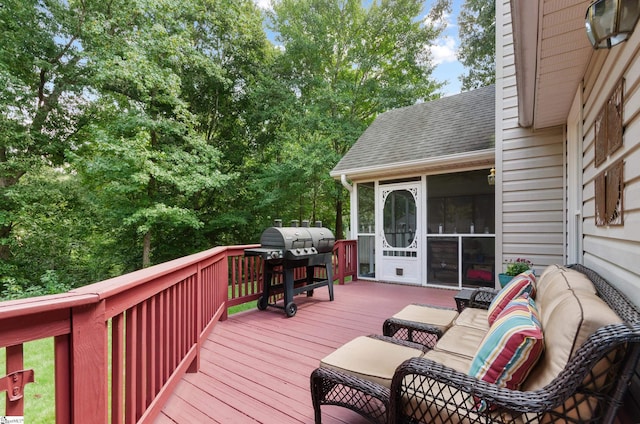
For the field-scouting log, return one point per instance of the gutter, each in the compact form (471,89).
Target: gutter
(525,16)
(345,183)
(476,158)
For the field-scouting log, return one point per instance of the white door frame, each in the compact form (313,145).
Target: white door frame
(400,269)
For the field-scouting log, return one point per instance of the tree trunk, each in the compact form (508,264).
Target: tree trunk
(339,229)
(151,190)
(5,232)
(146,250)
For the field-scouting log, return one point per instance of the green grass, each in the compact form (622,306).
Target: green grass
(243,307)
(242,291)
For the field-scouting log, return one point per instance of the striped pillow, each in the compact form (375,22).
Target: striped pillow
(521,283)
(511,348)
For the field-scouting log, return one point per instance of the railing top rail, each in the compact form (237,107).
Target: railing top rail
(34,305)
(108,288)
(104,289)
(116,285)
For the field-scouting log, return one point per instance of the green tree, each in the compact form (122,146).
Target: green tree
(477,31)
(47,251)
(134,111)
(231,91)
(43,84)
(345,62)
(146,155)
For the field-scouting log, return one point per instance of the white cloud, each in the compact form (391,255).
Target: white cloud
(452,22)
(444,50)
(263,4)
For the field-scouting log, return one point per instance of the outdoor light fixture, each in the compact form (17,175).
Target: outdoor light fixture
(610,22)
(491,178)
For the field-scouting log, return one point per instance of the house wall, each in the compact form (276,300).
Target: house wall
(530,171)
(613,251)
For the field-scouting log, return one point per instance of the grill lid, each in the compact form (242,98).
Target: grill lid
(286,238)
(322,239)
(293,242)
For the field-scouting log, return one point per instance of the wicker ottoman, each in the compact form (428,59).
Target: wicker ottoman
(420,324)
(358,375)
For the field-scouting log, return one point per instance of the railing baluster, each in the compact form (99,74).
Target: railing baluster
(130,366)
(62,353)
(117,369)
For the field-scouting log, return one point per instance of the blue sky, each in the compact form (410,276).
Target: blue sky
(447,67)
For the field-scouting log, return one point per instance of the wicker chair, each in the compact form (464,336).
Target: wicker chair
(589,389)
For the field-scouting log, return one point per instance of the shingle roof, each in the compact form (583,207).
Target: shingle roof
(451,125)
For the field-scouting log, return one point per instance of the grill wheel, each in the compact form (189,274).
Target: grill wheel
(291,309)
(263,302)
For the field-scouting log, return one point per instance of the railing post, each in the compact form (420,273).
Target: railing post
(353,250)
(342,262)
(89,363)
(222,283)
(14,363)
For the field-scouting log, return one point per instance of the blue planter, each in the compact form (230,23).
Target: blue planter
(504,279)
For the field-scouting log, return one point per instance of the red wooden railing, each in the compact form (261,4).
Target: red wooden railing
(155,318)
(345,255)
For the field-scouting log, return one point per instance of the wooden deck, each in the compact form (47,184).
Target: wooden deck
(255,366)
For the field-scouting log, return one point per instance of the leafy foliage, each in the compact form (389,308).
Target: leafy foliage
(137,131)
(518,266)
(477,30)
(346,63)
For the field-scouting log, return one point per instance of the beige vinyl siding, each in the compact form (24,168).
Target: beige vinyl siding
(530,195)
(614,251)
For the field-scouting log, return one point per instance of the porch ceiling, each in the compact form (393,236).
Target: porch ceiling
(551,55)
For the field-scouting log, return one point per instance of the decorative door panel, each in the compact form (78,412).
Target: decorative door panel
(398,238)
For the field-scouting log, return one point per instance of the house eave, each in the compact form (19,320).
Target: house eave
(441,164)
(551,54)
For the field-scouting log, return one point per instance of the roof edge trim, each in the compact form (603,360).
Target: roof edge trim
(458,159)
(525,16)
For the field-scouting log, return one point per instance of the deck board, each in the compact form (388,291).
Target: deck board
(255,367)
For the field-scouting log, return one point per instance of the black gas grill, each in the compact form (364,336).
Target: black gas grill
(285,249)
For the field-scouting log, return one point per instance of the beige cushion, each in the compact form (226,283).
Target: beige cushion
(556,280)
(473,318)
(552,269)
(457,362)
(459,340)
(438,317)
(567,321)
(371,359)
